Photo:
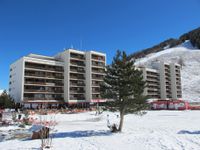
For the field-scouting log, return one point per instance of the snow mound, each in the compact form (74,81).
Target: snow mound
(190,71)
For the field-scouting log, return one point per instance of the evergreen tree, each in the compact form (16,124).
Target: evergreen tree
(6,101)
(124,85)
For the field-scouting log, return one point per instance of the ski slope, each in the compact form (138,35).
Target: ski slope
(190,70)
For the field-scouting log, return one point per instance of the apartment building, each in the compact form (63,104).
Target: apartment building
(151,76)
(70,77)
(163,80)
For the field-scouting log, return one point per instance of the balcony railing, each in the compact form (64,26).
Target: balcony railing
(77,64)
(95,84)
(77,56)
(99,58)
(77,77)
(77,84)
(44,68)
(97,78)
(48,91)
(77,70)
(43,83)
(34,98)
(45,76)
(96,97)
(77,91)
(98,71)
(98,64)
(77,98)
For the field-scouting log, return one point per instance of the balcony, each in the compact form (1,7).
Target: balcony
(77,63)
(77,90)
(44,67)
(98,58)
(95,85)
(77,56)
(35,75)
(42,96)
(33,98)
(74,84)
(77,70)
(98,64)
(43,83)
(152,78)
(43,91)
(98,71)
(98,77)
(96,96)
(76,76)
(77,97)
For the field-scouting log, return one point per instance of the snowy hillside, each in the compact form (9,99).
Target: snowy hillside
(190,70)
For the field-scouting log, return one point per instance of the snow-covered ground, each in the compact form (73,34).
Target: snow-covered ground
(157,130)
(190,71)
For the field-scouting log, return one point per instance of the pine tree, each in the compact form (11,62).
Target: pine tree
(6,101)
(124,85)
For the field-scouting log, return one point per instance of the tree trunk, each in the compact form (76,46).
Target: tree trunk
(121,120)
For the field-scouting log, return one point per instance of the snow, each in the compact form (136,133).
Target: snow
(190,71)
(1,91)
(157,130)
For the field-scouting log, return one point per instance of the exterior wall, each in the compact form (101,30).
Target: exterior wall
(144,74)
(175,81)
(19,72)
(88,77)
(65,57)
(98,62)
(151,76)
(163,81)
(162,73)
(78,76)
(16,80)
(41,82)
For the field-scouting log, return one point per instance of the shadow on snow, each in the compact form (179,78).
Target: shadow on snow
(188,132)
(80,134)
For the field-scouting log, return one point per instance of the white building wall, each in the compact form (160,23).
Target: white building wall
(17,86)
(173,81)
(88,77)
(65,57)
(144,74)
(17,80)
(163,93)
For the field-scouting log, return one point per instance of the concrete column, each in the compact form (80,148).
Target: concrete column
(88,88)
(163,94)
(173,81)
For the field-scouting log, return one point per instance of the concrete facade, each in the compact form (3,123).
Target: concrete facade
(67,77)
(74,76)
(163,81)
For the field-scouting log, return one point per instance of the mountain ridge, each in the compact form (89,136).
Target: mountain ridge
(189,58)
(193,36)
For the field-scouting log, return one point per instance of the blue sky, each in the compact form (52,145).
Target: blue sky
(48,26)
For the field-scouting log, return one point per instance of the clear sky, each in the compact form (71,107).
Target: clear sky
(48,26)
